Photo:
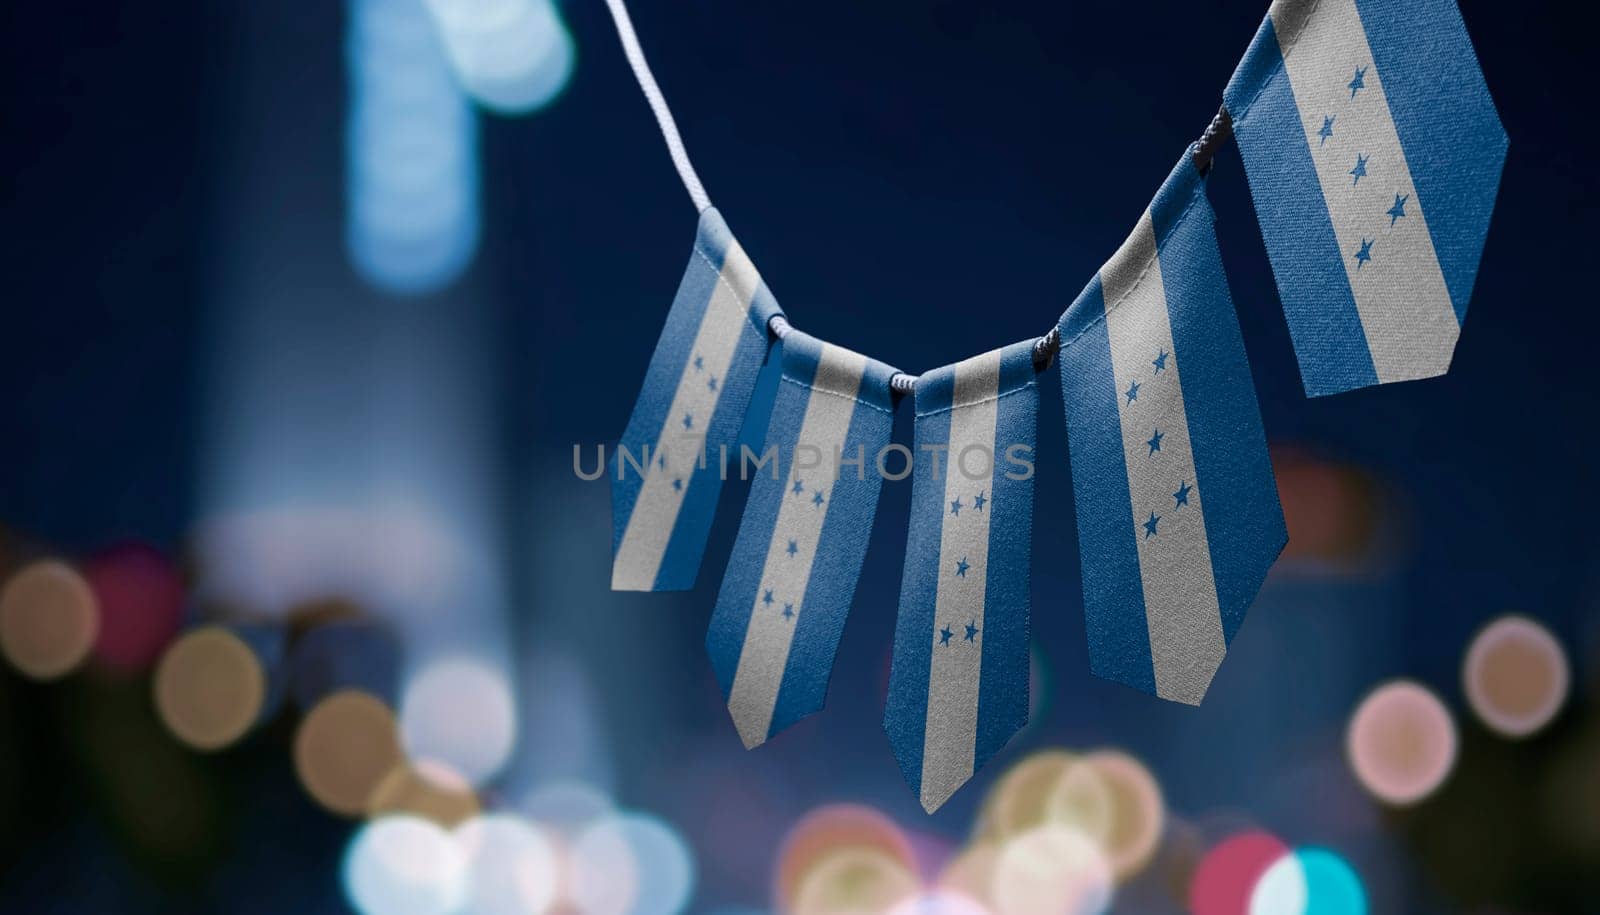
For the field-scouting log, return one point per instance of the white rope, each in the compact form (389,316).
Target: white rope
(658,104)
(1044,349)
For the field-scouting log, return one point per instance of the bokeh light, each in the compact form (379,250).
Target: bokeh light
(425,788)
(940,902)
(1137,812)
(1226,878)
(1020,800)
(1051,870)
(971,872)
(400,865)
(511,56)
(1516,676)
(141,595)
(854,881)
(603,871)
(345,747)
(1401,743)
(210,688)
(48,619)
(411,152)
(566,806)
(833,828)
(660,866)
(1309,881)
(512,867)
(1081,799)
(344,654)
(459,711)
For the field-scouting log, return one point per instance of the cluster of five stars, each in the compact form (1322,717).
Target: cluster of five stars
(1181,497)
(1397,210)
(792,547)
(963,566)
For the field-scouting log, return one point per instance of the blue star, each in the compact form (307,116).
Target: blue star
(817,499)
(1155,441)
(945,634)
(1150,526)
(1182,495)
(978,500)
(662,460)
(1327,129)
(712,382)
(1359,171)
(766,598)
(1365,254)
(1398,210)
(1358,82)
(699,363)
(1160,362)
(1133,391)
(962,567)
(677,484)
(793,548)
(688,421)
(955,507)
(972,631)
(799,486)
(788,611)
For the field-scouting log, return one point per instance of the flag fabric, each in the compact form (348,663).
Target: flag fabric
(798,554)
(1178,516)
(958,686)
(1373,152)
(667,467)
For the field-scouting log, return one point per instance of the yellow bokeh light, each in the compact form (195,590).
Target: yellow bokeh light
(345,747)
(209,688)
(48,619)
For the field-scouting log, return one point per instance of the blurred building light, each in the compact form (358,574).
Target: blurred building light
(1052,868)
(1401,743)
(1516,676)
(1227,876)
(345,747)
(831,829)
(512,56)
(1309,881)
(459,711)
(412,183)
(217,682)
(141,598)
(512,867)
(48,619)
(1138,813)
(428,789)
(402,865)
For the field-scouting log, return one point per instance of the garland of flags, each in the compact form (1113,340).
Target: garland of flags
(1373,153)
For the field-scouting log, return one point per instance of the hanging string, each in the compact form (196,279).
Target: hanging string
(658,104)
(1201,152)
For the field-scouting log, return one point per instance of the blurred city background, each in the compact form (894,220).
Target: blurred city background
(302,607)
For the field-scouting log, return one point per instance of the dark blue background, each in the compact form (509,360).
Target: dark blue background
(917,181)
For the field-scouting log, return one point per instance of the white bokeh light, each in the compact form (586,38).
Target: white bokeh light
(460,711)
(404,865)
(512,868)
(511,56)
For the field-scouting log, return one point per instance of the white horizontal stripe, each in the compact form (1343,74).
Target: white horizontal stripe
(1180,592)
(655,511)
(765,654)
(1400,292)
(952,722)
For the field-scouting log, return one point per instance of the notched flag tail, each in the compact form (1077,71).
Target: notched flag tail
(1178,515)
(666,472)
(1374,154)
(790,580)
(958,687)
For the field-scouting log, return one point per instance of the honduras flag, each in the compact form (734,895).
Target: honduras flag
(1178,517)
(795,562)
(958,687)
(667,468)
(1374,153)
